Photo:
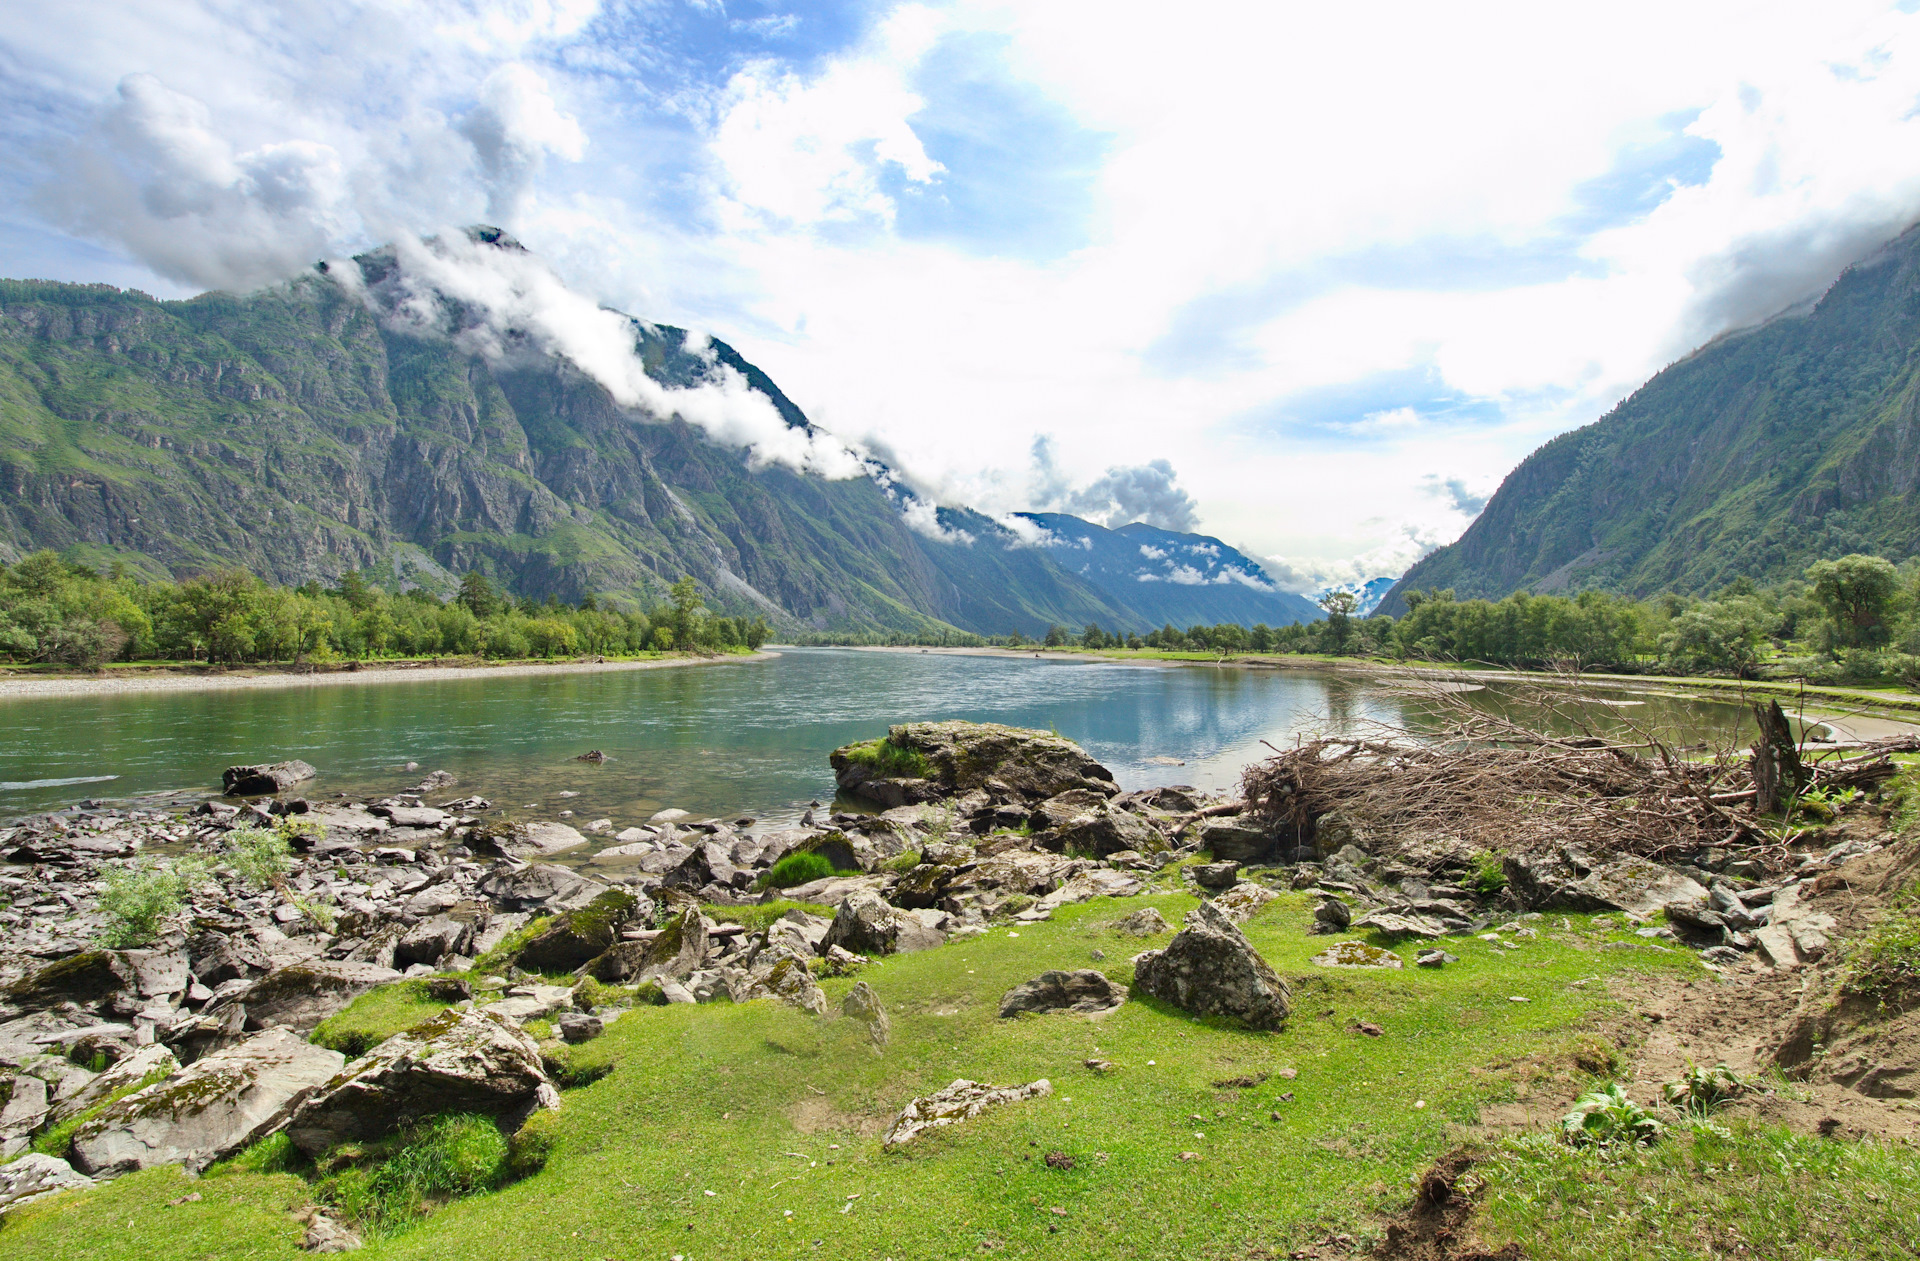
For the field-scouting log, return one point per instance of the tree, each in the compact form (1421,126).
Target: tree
(1856,593)
(685,614)
(1056,636)
(358,593)
(1724,635)
(1339,606)
(478,595)
(1093,636)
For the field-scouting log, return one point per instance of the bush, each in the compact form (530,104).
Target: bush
(1606,1117)
(1488,876)
(138,899)
(797,869)
(1699,1091)
(257,856)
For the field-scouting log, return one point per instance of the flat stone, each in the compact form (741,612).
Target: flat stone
(1085,992)
(961,1101)
(1355,954)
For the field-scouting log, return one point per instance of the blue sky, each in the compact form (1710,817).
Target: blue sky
(1337,267)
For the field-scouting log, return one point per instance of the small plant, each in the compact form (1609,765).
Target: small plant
(1606,1118)
(138,899)
(529,1149)
(1699,1091)
(1488,875)
(324,914)
(796,869)
(257,856)
(405,1178)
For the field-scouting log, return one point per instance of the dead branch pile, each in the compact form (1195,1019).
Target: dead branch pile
(1498,785)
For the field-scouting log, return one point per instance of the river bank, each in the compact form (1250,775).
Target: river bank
(185,680)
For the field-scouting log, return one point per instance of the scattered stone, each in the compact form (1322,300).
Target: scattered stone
(1367,1028)
(1236,840)
(1216,876)
(582,935)
(29,1177)
(1210,969)
(1086,992)
(541,887)
(961,1101)
(580,1027)
(862,1004)
(326,1233)
(301,995)
(1388,924)
(865,923)
(1145,922)
(1434,958)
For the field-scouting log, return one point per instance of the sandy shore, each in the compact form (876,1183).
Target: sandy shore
(19,688)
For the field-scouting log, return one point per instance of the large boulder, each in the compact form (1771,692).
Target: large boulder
(920,761)
(1210,969)
(1084,991)
(865,924)
(34,1175)
(150,1059)
(578,936)
(1569,879)
(301,995)
(432,940)
(1105,829)
(1238,840)
(258,780)
(88,979)
(208,1110)
(676,953)
(459,1061)
(543,887)
(524,840)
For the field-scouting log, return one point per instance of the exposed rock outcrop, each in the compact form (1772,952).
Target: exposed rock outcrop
(961,1101)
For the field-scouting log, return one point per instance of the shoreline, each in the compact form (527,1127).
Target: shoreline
(79,685)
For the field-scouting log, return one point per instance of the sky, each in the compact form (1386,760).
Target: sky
(1311,278)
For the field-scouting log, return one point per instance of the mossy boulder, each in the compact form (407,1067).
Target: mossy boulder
(301,995)
(87,979)
(925,761)
(678,952)
(579,936)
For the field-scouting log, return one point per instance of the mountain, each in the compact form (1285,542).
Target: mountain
(327,424)
(1754,456)
(1368,594)
(1153,576)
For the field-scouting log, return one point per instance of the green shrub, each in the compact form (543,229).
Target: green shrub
(797,869)
(1489,874)
(1606,1117)
(272,1154)
(139,898)
(890,761)
(257,856)
(529,1149)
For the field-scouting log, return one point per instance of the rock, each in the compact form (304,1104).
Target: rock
(87,979)
(301,995)
(413,816)
(260,780)
(153,1058)
(1388,924)
(459,1061)
(961,1101)
(1085,991)
(1571,880)
(1355,954)
(866,924)
(1216,876)
(798,932)
(208,1110)
(432,941)
(1210,969)
(33,1175)
(1337,830)
(1145,922)
(1242,902)
(1434,958)
(790,982)
(707,863)
(1087,885)
(962,756)
(1237,840)
(327,1234)
(678,952)
(25,1109)
(1331,916)
(532,1002)
(579,1027)
(541,887)
(524,840)
(217,958)
(1105,829)
(579,936)
(862,1004)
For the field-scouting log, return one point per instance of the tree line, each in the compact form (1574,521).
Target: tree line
(59,611)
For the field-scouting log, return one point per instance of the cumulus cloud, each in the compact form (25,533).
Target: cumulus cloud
(1453,492)
(512,130)
(1120,496)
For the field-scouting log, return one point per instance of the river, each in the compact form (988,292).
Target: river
(750,737)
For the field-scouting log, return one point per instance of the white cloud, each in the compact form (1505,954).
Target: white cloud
(1152,553)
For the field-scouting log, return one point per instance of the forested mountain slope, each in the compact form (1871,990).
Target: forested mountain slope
(1757,454)
(297,433)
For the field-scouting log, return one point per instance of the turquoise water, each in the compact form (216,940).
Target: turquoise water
(750,737)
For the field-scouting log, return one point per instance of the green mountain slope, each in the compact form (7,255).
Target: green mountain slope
(1755,455)
(297,434)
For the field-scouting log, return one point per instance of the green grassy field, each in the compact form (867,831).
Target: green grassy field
(752,1131)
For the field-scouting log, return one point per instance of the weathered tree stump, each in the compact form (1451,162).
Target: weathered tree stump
(1778,776)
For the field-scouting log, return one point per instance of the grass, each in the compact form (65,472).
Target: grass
(375,1016)
(392,1184)
(1885,966)
(889,760)
(757,917)
(1729,1190)
(796,869)
(57,1140)
(721,1098)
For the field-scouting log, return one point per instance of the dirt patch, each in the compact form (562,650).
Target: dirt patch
(1438,1225)
(1852,1064)
(815,1115)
